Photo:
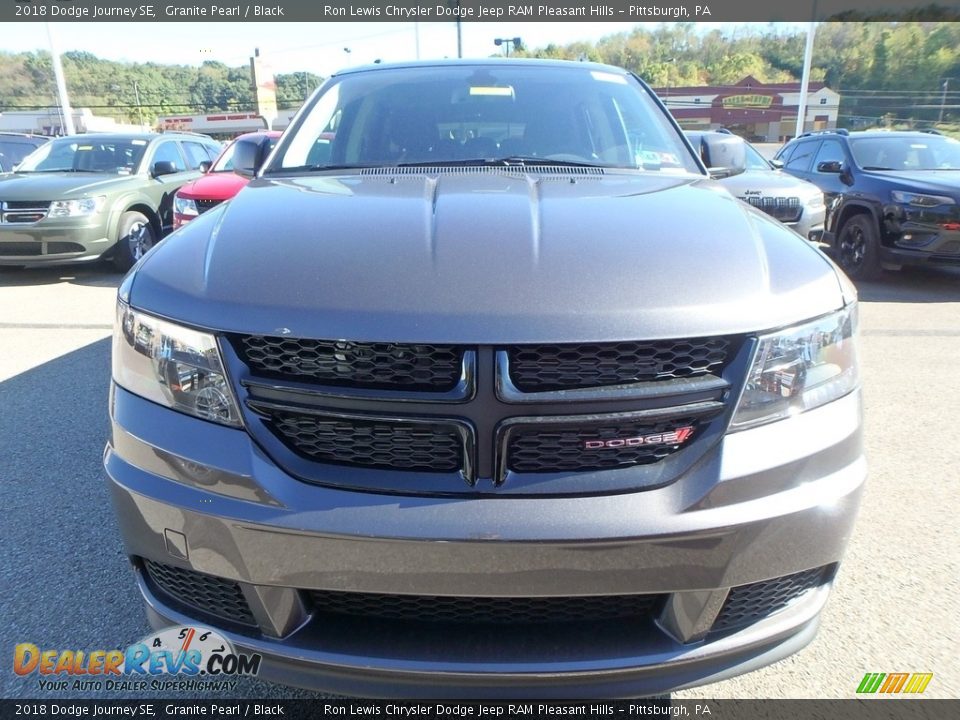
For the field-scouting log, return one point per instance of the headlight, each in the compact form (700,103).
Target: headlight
(816,200)
(800,368)
(173,366)
(184,206)
(76,208)
(921,200)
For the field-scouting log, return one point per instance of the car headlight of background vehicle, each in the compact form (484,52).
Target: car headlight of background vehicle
(920,199)
(172,365)
(800,368)
(185,206)
(76,208)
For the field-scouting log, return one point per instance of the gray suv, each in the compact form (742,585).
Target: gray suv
(484,388)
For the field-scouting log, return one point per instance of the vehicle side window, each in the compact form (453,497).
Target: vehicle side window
(830,151)
(213,151)
(169,151)
(784,153)
(196,153)
(801,158)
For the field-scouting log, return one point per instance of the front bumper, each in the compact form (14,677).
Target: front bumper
(765,503)
(52,242)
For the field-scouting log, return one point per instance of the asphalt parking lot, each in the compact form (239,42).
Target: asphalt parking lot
(66,582)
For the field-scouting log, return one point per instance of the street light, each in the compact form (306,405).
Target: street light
(516,43)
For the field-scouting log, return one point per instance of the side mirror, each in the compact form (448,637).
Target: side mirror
(163,167)
(724,155)
(205,166)
(834,167)
(247,158)
(777,164)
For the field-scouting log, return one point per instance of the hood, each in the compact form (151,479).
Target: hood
(214,186)
(486,257)
(937,182)
(46,186)
(763,183)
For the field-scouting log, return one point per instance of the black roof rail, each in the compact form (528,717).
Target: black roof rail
(725,131)
(931,131)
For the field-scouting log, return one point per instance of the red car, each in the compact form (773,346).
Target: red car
(223,180)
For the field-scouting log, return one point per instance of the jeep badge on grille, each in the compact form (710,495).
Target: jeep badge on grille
(674,437)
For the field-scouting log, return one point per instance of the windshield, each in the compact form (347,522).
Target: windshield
(224,163)
(756,161)
(79,154)
(483,114)
(933,152)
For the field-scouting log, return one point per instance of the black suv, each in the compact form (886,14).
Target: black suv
(892,197)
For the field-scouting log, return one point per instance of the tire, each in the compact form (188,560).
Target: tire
(858,249)
(135,236)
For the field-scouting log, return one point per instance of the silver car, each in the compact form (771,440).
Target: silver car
(796,203)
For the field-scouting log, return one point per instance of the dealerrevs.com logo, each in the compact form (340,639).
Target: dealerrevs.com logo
(177,658)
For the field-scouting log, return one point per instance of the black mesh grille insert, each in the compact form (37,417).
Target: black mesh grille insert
(539,368)
(204,205)
(382,444)
(209,594)
(748,603)
(384,366)
(544,449)
(63,247)
(21,248)
(496,610)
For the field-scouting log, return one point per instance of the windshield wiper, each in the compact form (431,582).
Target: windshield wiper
(315,168)
(876,167)
(520,160)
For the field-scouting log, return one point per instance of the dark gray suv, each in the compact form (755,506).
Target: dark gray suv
(484,388)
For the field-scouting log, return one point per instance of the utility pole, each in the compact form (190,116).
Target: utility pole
(416,40)
(943,98)
(63,100)
(136,92)
(805,81)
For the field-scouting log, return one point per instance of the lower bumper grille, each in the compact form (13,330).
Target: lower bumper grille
(486,610)
(206,593)
(747,604)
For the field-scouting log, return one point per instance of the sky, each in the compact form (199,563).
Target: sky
(313,47)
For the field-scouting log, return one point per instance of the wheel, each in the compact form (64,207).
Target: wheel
(858,249)
(134,238)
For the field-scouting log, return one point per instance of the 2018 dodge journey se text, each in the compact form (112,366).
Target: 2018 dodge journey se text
(484,388)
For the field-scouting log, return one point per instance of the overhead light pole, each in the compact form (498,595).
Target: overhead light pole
(63,98)
(805,80)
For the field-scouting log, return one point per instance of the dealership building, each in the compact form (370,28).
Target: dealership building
(762,112)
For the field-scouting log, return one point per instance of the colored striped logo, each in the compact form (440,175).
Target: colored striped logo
(890,683)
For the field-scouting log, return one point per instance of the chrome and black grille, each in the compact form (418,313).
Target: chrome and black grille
(784,209)
(543,368)
(746,604)
(486,610)
(392,445)
(23,211)
(212,595)
(384,366)
(204,205)
(597,445)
